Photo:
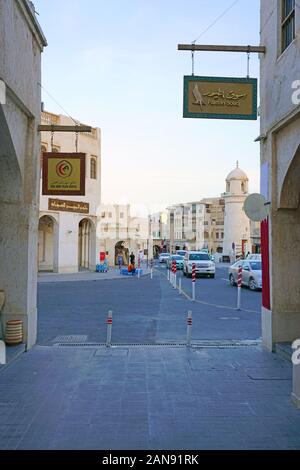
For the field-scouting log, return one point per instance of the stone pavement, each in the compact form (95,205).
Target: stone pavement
(148,398)
(113,273)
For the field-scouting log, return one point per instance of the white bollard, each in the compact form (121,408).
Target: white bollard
(151,273)
(179,286)
(2,353)
(175,281)
(109,328)
(239,292)
(189,329)
(139,273)
(168,274)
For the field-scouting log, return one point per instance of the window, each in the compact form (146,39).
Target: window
(110,215)
(121,215)
(217,235)
(287,23)
(93,168)
(103,215)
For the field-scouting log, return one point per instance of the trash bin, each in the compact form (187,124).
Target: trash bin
(14,332)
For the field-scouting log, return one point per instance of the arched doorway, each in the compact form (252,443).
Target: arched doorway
(121,250)
(85,245)
(285,256)
(47,244)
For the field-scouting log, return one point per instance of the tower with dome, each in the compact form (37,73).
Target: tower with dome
(237,239)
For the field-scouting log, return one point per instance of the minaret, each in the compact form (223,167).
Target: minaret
(236,223)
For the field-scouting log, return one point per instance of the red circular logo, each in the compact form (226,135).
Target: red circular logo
(64,169)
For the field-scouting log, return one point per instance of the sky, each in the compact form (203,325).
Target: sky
(115,65)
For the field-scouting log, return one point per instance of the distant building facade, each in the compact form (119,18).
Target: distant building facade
(197,225)
(158,232)
(122,234)
(67,240)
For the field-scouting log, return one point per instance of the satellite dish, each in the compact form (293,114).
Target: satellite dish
(256,207)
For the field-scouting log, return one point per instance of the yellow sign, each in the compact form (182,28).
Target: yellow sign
(64,174)
(220,98)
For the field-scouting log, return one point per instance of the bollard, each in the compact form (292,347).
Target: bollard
(179,286)
(175,274)
(2,353)
(239,292)
(151,273)
(168,274)
(109,328)
(189,329)
(194,282)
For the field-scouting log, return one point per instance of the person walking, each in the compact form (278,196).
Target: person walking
(120,260)
(132,258)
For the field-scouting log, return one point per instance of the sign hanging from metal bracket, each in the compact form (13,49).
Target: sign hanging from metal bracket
(220,97)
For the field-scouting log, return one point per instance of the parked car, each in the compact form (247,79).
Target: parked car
(163,257)
(179,261)
(181,252)
(251,274)
(254,257)
(204,265)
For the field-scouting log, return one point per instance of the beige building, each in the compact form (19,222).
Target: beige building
(121,233)
(22,42)
(158,231)
(67,240)
(197,225)
(280,172)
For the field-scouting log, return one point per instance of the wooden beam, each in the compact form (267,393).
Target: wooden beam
(56,128)
(214,48)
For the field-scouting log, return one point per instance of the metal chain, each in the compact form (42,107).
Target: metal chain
(76,142)
(248,62)
(52,137)
(193,63)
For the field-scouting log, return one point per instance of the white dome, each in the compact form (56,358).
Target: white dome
(237,174)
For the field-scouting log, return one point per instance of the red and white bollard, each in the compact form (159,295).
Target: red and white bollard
(109,328)
(194,282)
(189,329)
(175,274)
(239,283)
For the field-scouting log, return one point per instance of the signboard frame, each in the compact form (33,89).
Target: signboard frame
(63,156)
(220,80)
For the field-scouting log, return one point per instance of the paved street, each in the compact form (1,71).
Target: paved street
(147,311)
(226,396)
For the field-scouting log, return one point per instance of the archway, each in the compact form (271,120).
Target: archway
(120,250)
(285,257)
(47,245)
(85,245)
(156,251)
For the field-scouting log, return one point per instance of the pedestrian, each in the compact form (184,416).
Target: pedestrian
(120,260)
(132,258)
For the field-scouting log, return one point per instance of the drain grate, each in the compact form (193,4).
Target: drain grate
(179,344)
(70,339)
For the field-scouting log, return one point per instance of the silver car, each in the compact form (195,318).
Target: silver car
(251,274)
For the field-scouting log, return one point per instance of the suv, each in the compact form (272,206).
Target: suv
(203,262)
(163,257)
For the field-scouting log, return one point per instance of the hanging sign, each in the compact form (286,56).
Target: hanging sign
(63,174)
(220,98)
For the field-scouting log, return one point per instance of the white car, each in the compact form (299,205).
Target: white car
(163,257)
(203,262)
(254,257)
